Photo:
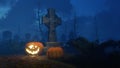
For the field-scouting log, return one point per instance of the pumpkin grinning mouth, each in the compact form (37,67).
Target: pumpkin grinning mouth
(33,52)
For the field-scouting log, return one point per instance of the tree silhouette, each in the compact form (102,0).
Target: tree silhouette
(71,35)
(63,38)
(83,45)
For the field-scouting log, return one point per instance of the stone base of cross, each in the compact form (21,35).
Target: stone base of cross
(50,44)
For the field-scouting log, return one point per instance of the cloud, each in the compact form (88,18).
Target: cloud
(5,6)
(3,2)
(7,2)
(4,11)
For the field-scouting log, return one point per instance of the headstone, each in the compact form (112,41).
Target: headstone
(51,20)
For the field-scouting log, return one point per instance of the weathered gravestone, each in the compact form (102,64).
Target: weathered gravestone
(51,20)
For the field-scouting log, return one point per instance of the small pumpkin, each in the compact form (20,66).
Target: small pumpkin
(54,52)
(34,48)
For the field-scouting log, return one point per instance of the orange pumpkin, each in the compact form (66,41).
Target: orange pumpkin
(54,52)
(34,48)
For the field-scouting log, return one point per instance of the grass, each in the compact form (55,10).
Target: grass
(31,62)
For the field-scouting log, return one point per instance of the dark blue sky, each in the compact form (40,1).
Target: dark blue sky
(82,7)
(21,12)
(88,7)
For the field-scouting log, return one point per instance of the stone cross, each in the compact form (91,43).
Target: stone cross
(51,20)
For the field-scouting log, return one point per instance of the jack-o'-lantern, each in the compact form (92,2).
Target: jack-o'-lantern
(34,48)
(55,52)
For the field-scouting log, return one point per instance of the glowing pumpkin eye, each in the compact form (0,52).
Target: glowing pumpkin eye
(31,46)
(35,46)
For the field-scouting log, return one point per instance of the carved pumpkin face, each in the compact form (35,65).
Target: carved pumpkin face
(55,52)
(34,48)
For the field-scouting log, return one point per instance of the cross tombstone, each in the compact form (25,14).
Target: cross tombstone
(51,20)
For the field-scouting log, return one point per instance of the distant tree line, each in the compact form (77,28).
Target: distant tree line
(93,49)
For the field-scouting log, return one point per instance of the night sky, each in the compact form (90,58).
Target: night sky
(19,17)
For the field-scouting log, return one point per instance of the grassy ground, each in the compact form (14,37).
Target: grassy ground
(31,62)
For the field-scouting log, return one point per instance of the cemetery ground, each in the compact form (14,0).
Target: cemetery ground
(23,61)
(67,61)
